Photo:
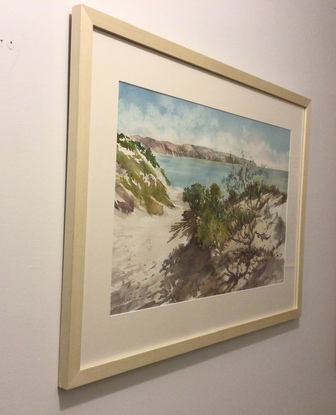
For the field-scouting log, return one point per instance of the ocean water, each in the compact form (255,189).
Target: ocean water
(183,171)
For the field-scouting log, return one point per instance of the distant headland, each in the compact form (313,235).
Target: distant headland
(190,150)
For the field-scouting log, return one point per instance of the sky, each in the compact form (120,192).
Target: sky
(156,115)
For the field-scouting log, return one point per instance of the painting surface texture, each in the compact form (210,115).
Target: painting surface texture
(200,202)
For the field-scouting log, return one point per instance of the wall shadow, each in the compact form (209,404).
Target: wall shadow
(109,386)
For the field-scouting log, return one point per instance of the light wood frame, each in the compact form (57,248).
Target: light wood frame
(72,373)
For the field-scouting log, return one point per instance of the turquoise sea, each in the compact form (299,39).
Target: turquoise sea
(183,171)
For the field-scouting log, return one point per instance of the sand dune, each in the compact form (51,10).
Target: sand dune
(140,247)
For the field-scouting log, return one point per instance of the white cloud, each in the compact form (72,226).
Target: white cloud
(181,122)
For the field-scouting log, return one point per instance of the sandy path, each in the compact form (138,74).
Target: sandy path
(140,246)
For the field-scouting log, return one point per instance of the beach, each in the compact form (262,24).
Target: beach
(140,245)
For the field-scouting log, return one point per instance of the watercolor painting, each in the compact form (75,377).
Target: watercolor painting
(200,202)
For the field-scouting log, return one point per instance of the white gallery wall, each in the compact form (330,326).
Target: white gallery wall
(287,369)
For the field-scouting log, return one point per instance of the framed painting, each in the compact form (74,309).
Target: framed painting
(184,201)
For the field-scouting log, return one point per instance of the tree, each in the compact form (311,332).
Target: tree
(248,205)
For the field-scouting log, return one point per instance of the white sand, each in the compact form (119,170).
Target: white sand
(141,245)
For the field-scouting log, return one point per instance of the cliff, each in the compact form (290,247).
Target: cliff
(189,150)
